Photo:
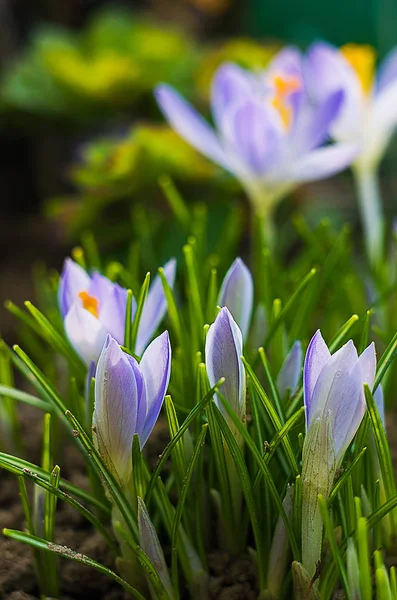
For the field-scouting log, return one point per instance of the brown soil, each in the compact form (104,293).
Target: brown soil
(229,579)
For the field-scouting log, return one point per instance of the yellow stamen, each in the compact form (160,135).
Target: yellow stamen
(284,87)
(362,58)
(90,303)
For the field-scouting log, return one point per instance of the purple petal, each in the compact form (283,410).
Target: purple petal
(73,280)
(322,163)
(156,369)
(290,372)
(231,85)
(387,72)
(116,408)
(254,134)
(313,126)
(101,288)
(380,404)
(288,61)
(326,72)
(155,307)
(223,349)
(112,313)
(330,389)
(189,124)
(367,361)
(85,333)
(384,117)
(317,356)
(347,404)
(237,293)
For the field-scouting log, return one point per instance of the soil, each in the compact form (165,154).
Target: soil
(229,579)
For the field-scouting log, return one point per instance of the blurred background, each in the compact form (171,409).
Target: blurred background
(82,141)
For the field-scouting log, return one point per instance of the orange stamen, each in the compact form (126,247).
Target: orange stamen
(90,303)
(284,87)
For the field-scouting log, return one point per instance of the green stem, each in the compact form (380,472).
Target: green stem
(367,185)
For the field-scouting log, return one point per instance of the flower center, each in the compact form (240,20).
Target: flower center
(362,58)
(284,86)
(90,303)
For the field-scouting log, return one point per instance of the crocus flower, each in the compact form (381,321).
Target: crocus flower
(334,405)
(223,350)
(128,399)
(92,306)
(237,293)
(290,372)
(368,117)
(266,132)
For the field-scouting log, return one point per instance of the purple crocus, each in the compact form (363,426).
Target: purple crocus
(368,117)
(223,350)
(237,294)
(334,405)
(290,372)
(266,131)
(128,399)
(92,307)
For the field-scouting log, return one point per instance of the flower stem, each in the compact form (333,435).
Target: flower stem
(367,185)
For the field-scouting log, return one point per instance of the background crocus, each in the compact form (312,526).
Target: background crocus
(266,132)
(223,350)
(237,294)
(291,369)
(128,399)
(368,117)
(92,307)
(334,405)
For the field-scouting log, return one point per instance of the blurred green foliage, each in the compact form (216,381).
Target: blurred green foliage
(112,63)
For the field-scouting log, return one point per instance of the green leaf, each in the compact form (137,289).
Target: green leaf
(128,319)
(329,528)
(385,361)
(266,473)
(289,305)
(345,475)
(267,405)
(175,200)
(178,455)
(139,309)
(383,450)
(50,334)
(65,552)
(182,500)
(246,486)
(194,413)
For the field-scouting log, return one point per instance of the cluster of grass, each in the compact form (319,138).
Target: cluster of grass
(186,503)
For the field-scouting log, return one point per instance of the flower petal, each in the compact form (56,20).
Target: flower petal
(155,307)
(237,293)
(387,72)
(189,124)
(327,71)
(112,313)
(384,117)
(290,372)
(223,349)
(116,406)
(367,361)
(329,392)
(156,369)
(322,163)
(253,132)
(101,288)
(85,332)
(231,85)
(347,403)
(380,404)
(73,280)
(313,125)
(317,356)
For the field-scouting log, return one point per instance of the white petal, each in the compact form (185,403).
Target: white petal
(85,333)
